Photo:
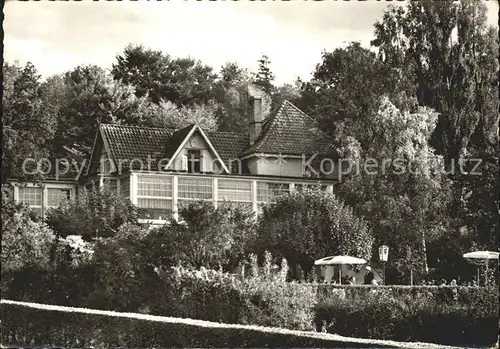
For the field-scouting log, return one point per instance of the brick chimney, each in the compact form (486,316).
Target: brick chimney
(255,118)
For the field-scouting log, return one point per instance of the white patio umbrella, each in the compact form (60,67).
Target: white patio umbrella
(337,260)
(485,256)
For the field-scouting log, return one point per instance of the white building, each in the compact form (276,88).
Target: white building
(159,169)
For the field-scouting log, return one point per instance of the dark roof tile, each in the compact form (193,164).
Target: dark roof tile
(288,130)
(175,141)
(128,142)
(228,145)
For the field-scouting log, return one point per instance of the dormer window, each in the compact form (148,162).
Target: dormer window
(194,161)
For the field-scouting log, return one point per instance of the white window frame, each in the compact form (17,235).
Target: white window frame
(290,188)
(215,196)
(44,207)
(135,179)
(195,177)
(220,197)
(42,197)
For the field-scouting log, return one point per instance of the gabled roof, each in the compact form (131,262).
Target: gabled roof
(183,137)
(175,140)
(229,145)
(129,142)
(288,130)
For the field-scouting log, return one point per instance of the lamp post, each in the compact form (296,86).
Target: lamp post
(383,254)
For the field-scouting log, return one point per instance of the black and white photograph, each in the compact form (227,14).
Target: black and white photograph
(250,174)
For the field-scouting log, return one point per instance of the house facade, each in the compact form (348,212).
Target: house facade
(160,169)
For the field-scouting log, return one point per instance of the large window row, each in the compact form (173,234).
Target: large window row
(233,190)
(56,196)
(300,187)
(192,188)
(154,195)
(34,197)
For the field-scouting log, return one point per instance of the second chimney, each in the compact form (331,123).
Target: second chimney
(255,118)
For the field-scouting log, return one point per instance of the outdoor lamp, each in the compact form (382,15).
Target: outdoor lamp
(383,254)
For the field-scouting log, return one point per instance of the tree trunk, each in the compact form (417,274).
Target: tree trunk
(424,251)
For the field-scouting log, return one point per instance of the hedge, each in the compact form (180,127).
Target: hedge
(443,315)
(215,296)
(30,324)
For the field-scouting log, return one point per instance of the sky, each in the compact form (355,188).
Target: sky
(57,36)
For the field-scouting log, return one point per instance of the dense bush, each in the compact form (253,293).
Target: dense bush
(132,270)
(121,270)
(311,224)
(94,213)
(265,300)
(25,241)
(207,236)
(444,315)
(23,326)
(27,246)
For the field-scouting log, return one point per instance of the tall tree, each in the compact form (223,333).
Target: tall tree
(450,54)
(232,92)
(232,74)
(265,77)
(88,96)
(28,125)
(346,89)
(168,115)
(229,93)
(397,184)
(310,224)
(284,92)
(183,81)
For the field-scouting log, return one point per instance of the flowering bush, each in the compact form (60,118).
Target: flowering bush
(75,250)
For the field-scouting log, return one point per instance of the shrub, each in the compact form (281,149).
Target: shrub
(217,296)
(431,314)
(280,304)
(25,242)
(74,251)
(311,224)
(95,213)
(106,273)
(121,268)
(209,236)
